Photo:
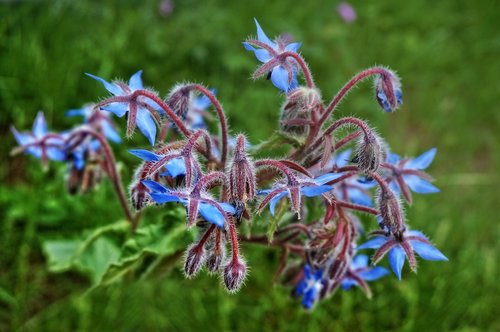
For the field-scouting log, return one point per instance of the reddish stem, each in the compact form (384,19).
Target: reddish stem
(357,207)
(220,114)
(234,242)
(348,86)
(112,173)
(206,236)
(303,65)
(175,119)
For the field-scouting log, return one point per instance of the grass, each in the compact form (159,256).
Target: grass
(447,54)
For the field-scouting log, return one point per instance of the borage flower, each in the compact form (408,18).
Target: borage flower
(195,117)
(282,74)
(359,272)
(295,188)
(405,174)
(98,120)
(399,248)
(310,286)
(140,111)
(388,91)
(39,142)
(196,200)
(173,162)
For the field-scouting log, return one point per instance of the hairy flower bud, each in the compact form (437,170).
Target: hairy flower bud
(138,192)
(388,91)
(295,113)
(179,99)
(391,212)
(234,274)
(215,259)
(194,259)
(370,152)
(242,180)
(139,195)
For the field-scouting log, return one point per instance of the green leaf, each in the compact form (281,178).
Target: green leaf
(278,139)
(280,216)
(158,240)
(91,254)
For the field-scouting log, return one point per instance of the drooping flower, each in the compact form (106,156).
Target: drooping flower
(174,167)
(388,91)
(40,143)
(98,120)
(399,249)
(284,74)
(310,286)
(195,117)
(359,272)
(408,173)
(140,112)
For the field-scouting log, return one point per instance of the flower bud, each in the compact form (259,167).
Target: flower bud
(391,212)
(234,274)
(179,100)
(195,257)
(215,259)
(242,180)
(370,152)
(388,91)
(139,195)
(138,192)
(295,113)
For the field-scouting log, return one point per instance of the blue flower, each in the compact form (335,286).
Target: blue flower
(388,91)
(140,113)
(359,272)
(308,188)
(280,74)
(197,112)
(408,173)
(196,204)
(98,120)
(399,249)
(310,286)
(80,154)
(40,143)
(173,162)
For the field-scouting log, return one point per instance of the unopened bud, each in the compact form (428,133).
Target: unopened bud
(234,275)
(369,153)
(179,100)
(215,259)
(295,113)
(388,91)
(242,180)
(391,212)
(139,195)
(195,257)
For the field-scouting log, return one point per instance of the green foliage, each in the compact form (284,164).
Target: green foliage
(91,254)
(108,253)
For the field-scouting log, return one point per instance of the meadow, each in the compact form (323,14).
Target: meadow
(447,53)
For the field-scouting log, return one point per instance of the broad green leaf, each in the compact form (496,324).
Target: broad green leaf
(91,254)
(157,240)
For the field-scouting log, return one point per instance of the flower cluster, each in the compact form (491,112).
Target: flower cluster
(336,168)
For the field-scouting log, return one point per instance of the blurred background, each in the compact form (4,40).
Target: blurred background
(447,53)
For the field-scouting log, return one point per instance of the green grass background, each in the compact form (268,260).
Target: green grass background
(447,53)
